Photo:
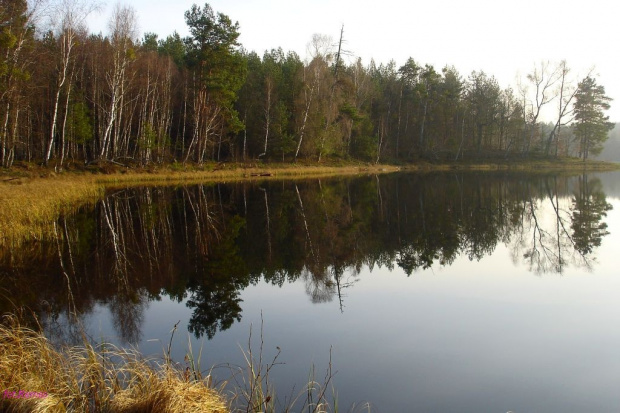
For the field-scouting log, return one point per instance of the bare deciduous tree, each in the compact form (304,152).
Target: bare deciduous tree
(543,80)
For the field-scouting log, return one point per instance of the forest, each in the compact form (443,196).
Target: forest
(69,97)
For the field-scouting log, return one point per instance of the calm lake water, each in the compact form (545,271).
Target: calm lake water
(454,292)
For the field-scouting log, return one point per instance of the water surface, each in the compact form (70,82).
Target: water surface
(465,292)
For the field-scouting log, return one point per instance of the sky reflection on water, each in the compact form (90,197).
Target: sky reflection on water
(469,337)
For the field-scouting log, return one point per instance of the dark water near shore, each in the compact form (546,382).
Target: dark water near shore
(468,292)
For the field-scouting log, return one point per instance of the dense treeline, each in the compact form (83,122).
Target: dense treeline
(66,95)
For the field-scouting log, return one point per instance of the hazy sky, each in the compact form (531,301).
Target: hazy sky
(502,38)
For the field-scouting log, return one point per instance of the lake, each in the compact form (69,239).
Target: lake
(438,292)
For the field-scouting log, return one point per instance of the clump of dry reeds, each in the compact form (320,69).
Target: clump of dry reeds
(151,392)
(108,379)
(253,391)
(86,379)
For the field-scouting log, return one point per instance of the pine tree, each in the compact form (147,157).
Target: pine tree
(218,71)
(592,126)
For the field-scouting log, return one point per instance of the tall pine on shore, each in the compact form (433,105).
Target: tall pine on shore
(592,126)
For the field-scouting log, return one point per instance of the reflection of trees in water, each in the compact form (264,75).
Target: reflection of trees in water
(64,328)
(589,206)
(214,293)
(137,245)
(541,240)
(127,311)
(553,227)
(320,288)
(204,244)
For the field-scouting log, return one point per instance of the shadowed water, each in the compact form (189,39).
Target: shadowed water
(434,292)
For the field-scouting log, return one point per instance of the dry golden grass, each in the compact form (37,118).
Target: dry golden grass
(237,172)
(86,380)
(29,205)
(107,379)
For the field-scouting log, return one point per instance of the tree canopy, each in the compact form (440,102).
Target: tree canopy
(592,126)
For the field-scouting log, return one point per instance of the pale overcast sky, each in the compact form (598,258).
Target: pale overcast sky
(502,38)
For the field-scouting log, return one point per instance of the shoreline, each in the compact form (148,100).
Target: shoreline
(33,197)
(105,172)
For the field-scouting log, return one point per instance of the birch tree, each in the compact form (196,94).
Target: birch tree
(67,20)
(123,35)
(315,71)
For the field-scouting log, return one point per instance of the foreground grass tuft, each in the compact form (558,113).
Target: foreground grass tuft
(107,379)
(86,379)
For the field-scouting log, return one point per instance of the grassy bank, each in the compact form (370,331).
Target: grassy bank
(32,198)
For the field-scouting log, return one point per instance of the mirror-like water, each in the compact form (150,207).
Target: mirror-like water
(439,292)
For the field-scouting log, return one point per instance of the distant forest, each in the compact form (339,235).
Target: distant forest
(70,96)
(611,149)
